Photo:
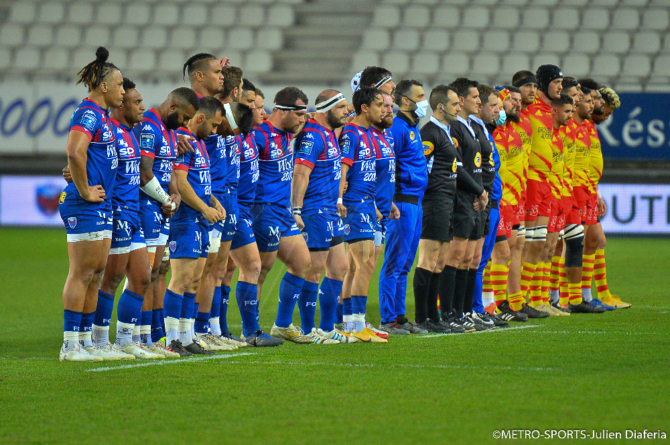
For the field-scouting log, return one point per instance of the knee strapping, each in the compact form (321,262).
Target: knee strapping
(574,246)
(539,234)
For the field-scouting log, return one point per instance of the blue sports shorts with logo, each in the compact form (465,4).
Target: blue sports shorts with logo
(244,233)
(271,223)
(320,230)
(360,223)
(228,228)
(189,239)
(155,225)
(127,230)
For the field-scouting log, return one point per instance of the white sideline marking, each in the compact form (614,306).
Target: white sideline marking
(602,332)
(170,362)
(480,332)
(373,365)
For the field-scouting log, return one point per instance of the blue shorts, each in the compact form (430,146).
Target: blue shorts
(189,239)
(244,233)
(228,227)
(320,230)
(85,222)
(155,225)
(271,223)
(380,232)
(360,223)
(127,231)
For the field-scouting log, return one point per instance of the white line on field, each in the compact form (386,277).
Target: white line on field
(170,362)
(373,365)
(602,332)
(480,332)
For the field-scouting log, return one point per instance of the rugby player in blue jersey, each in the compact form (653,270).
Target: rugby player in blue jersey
(316,181)
(276,232)
(402,235)
(357,208)
(189,228)
(159,195)
(85,205)
(128,253)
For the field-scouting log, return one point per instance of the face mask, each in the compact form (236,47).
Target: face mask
(421,108)
(501,119)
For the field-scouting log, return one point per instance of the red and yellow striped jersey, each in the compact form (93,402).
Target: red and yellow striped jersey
(557,167)
(524,130)
(596,171)
(582,157)
(512,172)
(569,135)
(542,151)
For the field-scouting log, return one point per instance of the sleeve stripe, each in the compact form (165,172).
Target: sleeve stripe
(83,130)
(183,167)
(148,154)
(347,161)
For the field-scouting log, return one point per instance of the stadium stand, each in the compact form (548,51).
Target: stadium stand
(626,43)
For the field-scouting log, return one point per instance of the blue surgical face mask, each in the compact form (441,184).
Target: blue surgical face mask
(421,108)
(501,119)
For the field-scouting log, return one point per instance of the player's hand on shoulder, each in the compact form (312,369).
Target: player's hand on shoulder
(94,194)
(67,175)
(183,144)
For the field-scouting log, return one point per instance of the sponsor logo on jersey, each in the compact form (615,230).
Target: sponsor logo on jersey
(428,148)
(72,222)
(173,246)
(478,160)
(89,120)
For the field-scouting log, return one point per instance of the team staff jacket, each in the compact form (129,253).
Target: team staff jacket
(246,190)
(358,152)
(411,174)
(159,144)
(275,164)
(496,194)
(385,165)
(468,146)
(486,150)
(196,164)
(316,147)
(126,194)
(101,156)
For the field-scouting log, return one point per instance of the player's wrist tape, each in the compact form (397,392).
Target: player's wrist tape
(154,189)
(230,117)
(297,211)
(339,200)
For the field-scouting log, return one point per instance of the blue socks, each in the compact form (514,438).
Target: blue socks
(224,292)
(328,296)
(85,328)
(172,306)
(215,312)
(71,323)
(157,331)
(104,309)
(307,305)
(347,315)
(129,309)
(340,313)
(246,294)
(289,293)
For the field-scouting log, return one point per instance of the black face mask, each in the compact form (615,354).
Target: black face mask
(172,122)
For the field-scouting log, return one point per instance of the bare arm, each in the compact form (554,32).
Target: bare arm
(146,170)
(76,149)
(343,180)
(300,182)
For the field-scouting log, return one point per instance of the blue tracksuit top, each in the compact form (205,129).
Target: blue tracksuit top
(411,171)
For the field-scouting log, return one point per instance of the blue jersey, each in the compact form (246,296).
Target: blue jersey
(101,156)
(411,169)
(197,166)
(385,166)
(233,174)
(246,190)
(317,148)
(275,163)
(358,152)
(159,144)
(126,196)
(216,149)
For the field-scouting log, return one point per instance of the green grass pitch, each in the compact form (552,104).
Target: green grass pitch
(591,372)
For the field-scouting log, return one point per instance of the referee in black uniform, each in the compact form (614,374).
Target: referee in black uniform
(467,224)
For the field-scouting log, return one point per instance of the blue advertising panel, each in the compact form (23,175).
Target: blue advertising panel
(640,129)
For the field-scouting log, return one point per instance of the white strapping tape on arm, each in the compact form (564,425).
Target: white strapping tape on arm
(230,117)
(154,189)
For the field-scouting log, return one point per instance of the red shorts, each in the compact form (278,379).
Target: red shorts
(557,218)
(594,210)
(574,213)
(520,215)
(538,200)
(507,214)
(589,215)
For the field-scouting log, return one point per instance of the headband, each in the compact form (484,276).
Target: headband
(328,104)
(291,107)
(525,81)
(382,82)
(230,117)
